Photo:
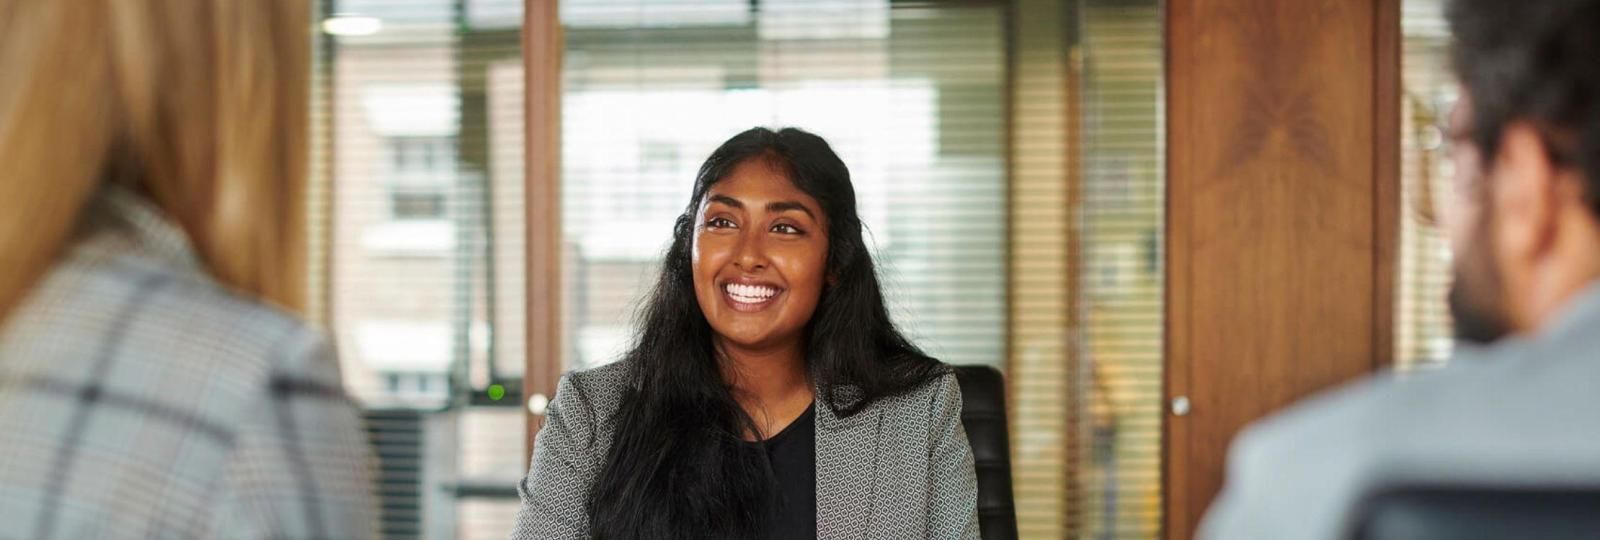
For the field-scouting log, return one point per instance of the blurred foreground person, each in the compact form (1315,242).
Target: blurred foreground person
(153,382)
(1519,404)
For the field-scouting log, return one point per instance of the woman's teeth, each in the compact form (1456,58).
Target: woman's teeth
(749,294)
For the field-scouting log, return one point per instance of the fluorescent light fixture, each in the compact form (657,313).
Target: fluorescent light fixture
(654,13)
(352,25)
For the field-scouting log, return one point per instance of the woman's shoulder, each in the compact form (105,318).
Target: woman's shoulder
(940,391)
(591,395)
(163,315)
(934,396)
(599,381)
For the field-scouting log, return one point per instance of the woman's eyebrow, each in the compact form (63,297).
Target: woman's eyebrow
(781,206)
(772,207)
(724,199)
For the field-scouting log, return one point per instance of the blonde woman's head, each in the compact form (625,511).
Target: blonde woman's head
(200,105)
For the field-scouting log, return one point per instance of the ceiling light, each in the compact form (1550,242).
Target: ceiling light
(352,25)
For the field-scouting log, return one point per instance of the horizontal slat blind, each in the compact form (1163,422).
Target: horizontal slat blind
(911,96)
(1042,173)
(1087,218)
(420,220)
(1120,280)
(1423,333)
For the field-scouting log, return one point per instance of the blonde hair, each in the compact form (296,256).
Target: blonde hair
(200,104)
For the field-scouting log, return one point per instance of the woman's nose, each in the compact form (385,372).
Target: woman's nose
(751,254)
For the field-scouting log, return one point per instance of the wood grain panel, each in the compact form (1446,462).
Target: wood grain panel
(1275,257)
(541,49)
(1386,175)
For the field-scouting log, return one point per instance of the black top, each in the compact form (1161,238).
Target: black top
(793,454)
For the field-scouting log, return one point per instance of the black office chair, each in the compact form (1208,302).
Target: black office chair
(983,414)
(1479,513)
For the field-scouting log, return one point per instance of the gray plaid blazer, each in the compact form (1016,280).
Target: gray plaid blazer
(139,399)
(901,468)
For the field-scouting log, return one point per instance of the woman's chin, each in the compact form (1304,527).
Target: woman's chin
(748,339)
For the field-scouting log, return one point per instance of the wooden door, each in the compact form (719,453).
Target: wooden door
(1282,148)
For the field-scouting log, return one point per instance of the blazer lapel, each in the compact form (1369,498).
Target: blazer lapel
(847,471)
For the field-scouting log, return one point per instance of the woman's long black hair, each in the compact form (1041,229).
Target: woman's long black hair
(678,466)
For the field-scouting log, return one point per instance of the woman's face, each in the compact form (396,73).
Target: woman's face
(759,255)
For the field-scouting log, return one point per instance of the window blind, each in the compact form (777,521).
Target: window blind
(1086,181)
(417,210)
(1043,176)
(911,96)
(1121,274)
(1423,332)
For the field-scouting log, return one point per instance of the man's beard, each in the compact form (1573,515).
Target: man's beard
(1476,292)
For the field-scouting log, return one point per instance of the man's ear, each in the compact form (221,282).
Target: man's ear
(1523,194)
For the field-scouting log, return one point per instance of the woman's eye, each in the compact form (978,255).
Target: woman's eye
(719,223)
(784,228)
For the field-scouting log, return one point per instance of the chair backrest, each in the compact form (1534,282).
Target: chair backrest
(983,414)
(1479,513)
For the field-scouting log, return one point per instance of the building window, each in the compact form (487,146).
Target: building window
(417,247)
(419,177)
(407,203)
(407,386)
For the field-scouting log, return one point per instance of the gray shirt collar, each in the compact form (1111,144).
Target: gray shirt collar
(1577,319)
(1580,315)
(120,221)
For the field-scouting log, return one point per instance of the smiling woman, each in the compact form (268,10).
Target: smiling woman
(767,394)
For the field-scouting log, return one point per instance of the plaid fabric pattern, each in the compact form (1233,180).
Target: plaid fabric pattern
(901,468)
(139,399)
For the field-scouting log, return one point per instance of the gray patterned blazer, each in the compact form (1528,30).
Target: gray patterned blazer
(139,399)
(901,468)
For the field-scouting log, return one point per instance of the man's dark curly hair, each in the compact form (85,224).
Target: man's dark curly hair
(1536,61)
